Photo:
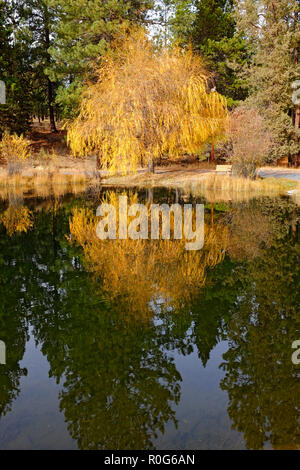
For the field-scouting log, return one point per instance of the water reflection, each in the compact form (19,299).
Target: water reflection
(136,273)
(110,317)
(262,386)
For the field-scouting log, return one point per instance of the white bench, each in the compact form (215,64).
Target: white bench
(224,169)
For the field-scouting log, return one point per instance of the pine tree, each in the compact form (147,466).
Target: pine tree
(213,21)
(274,30)
(38,19)
(83,35)
(183,20)
(211,28)
(15,72)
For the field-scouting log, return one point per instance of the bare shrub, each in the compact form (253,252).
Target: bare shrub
(251,141)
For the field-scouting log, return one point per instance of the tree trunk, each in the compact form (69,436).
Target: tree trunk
(51,108)
(150,195)
(48,60)
(212,153)
(297,112)
(297,118)
(151,168)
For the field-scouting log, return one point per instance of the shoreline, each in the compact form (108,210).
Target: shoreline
(172,175)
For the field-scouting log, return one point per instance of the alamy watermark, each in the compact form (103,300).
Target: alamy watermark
(296,354)
(2,353)
(2,92)
(133,222)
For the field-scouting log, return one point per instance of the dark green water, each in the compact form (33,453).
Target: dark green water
(212,371)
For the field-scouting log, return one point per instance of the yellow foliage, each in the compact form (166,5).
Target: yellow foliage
(14,147)
(146,105)
(17,219)
(136,273)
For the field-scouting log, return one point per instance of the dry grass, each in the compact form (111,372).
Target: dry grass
(195,179)
(43,184)
(224,187)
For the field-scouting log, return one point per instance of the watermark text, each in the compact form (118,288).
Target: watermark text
(186,222)
(296,354)
(2,353)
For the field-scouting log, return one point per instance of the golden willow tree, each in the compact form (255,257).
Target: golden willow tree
(146,105)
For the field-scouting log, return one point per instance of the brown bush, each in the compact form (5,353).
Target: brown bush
(250,139)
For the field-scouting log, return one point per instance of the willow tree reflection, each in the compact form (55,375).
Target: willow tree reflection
(107,338)
(143,271)
(108,318)
(17,218)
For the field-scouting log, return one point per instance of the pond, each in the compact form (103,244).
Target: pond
(142,345)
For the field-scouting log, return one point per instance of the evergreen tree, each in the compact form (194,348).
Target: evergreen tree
(39,19)
(184,17)
(213,21)
(274,30)
(209,25)
(25,37)
(83,35)
(15,72)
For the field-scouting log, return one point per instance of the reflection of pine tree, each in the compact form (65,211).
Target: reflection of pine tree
(23,259)
(13,332)
(13,322)
(115,372)
(260,379)
(119,384)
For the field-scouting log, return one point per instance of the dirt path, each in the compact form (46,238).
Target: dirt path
(42,139)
